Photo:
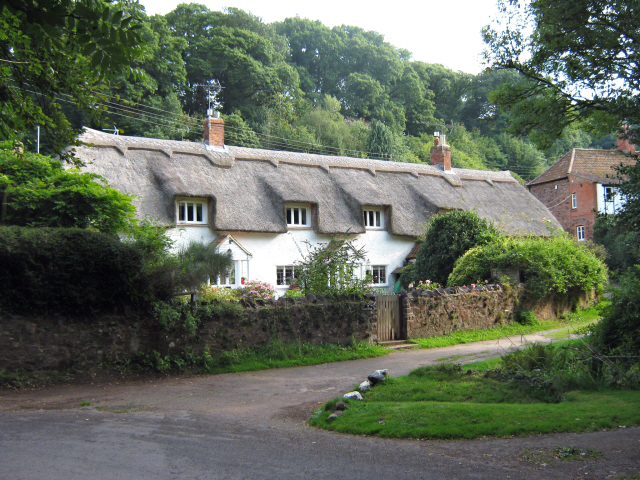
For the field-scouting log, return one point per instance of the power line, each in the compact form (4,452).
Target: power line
(269,142)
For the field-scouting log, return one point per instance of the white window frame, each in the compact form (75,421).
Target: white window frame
(281,272)
(374,271)
(373,218)
(580,233)
(574,201)
(188,208)
(294,215)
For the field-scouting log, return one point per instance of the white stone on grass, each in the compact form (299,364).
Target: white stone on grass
(353,395)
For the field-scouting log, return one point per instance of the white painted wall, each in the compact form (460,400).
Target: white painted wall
(269,250)
(608,207)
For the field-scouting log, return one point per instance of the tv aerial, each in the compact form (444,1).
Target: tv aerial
(212,89)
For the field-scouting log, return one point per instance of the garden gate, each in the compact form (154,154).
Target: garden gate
(388,309)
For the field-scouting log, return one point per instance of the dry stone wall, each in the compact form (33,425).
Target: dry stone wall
(431,313)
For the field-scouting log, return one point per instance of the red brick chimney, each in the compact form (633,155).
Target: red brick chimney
(624,144)
(214,130)
(441,154)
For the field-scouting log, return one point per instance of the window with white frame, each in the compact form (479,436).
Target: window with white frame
(378,274)
(373,217)
(298,215)
(191,210)
(609,194)
(285,275)
(574,200)
(580,232)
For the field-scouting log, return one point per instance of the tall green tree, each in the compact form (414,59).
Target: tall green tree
(581,59)
(59,49)
(237,49)
(36,191)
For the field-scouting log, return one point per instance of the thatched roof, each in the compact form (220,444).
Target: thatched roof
(587,163)
(249,187)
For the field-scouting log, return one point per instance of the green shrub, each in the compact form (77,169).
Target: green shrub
(294,293)
(329,269)
(36,191)
(526,317)
(619,328)
(548,265)
(66,271)
(213,293)
(447,238)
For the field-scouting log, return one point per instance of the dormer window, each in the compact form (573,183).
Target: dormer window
(191,211)
(373,218)
(298,216)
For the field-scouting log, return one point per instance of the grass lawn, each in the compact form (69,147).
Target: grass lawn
(443,402)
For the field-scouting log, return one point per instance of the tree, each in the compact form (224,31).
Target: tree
(36,191)
(332,269)
(59,50)
(581,60)
(447,238)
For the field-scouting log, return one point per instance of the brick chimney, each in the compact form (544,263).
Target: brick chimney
(441,153)
(624,144)
(214,130)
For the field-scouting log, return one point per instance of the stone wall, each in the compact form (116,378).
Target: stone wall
(36,343)
(439,312)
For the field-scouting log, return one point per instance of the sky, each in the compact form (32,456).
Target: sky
(445,32)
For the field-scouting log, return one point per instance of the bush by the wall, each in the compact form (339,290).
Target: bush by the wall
(65,271)
(548,265)
(448,237)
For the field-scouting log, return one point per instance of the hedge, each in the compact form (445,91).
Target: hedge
(65,271)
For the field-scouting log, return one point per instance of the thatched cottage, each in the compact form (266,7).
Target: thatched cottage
(266,206)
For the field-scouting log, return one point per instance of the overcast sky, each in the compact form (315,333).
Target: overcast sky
(445,32)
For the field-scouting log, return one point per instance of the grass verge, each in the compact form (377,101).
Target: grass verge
(539,390)
(429,405)
(568,324)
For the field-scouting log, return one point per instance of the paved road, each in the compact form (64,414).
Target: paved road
(253,426)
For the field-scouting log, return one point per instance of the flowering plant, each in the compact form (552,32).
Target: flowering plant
(426,285)
(255,290)
(210,293)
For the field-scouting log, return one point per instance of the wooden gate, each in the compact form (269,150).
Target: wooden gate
(388,307)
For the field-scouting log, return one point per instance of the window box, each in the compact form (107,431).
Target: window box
(191,211)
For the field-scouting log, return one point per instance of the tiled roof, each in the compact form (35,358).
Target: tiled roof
(590,164)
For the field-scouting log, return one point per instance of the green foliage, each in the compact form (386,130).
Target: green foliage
(332,269)
(52,47)
(447,238)
(576,65)
(212,293)
(619,330)
(621,243)
(548,265)
(526,317)
(66,271)
(295,293)
(37,191)
(198,263)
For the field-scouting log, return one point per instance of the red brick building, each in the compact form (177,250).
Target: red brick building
(582,184)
